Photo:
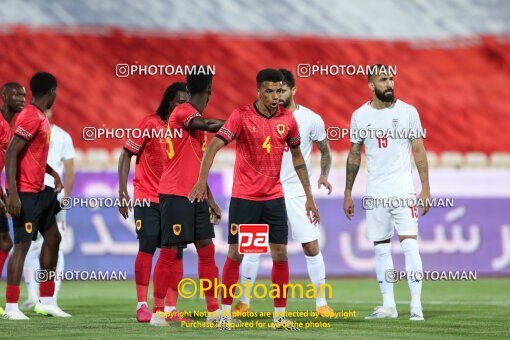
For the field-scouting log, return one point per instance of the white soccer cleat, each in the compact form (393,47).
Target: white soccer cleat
(15,315)
(416,314)
(28,304)
(214,317)
(158,320)
(51,310)
(383,313)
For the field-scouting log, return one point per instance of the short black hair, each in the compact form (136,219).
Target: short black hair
(7,86)
(41,83)
(288,77)
(198,83)
(168,96)
(376,70)
(269,74)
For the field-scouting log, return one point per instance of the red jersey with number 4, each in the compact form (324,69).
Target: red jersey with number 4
(150,156)
(184,152)
(260,144)
(33,126)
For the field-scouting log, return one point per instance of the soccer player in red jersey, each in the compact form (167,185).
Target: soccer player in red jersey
(262,131)
(13,101)
(184,222)
(32,205)
(150,162)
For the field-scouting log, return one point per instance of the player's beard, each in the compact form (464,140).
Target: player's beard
(286,103)
(386,96)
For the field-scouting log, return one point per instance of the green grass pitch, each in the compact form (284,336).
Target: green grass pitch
(470,309)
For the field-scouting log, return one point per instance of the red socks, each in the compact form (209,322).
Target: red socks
(162,275)
(229,278)
(280,276)
(47,288)
(143,267)
(207,270)
(175,278)
(3,257)
(12,294)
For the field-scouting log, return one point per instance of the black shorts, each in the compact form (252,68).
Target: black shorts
(4,224)
(38,210)
(148,223)
(271,212)
(183,222)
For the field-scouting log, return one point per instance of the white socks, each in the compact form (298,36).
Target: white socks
(11,307)
(169,309)
(384,263)
(413,265)
(317,274)
(249,271)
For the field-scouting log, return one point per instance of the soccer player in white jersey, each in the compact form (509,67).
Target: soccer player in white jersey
(389,176)
(311,130)
(61,158)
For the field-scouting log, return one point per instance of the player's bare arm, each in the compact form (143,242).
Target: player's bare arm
(215,209)
(57,180)
(300,166)
(123,171)
(352,168)
(69,180)
(325,165)
(16,146)
(206,124)
(200,188)
(422,165)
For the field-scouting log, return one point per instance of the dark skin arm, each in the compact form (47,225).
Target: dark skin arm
(205,124)
(58,182)
(123,171)
(353,164)
(299,165)
(325,165)
(200,188)
(16,146)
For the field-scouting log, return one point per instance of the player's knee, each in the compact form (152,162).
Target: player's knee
(203,243)
(279,252)
(233,253)
(147,245)
(311,248)
(5,242)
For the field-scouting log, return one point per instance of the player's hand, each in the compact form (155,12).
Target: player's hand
(13,205)
(311,211)
(198,192)
(124,206)
(58,184)
(348,207)
(216,212)
(424,201)
(324,181)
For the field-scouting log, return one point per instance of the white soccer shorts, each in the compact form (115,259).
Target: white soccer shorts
(381,221)
(302,230)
